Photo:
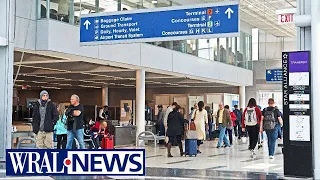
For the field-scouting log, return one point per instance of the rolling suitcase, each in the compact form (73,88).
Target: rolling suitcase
(107,142)
(191,147)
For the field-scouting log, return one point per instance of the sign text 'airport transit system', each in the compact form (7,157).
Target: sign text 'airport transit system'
(161,24)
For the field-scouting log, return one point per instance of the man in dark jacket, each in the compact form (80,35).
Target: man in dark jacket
(237,128)
(45,115)
(75,117)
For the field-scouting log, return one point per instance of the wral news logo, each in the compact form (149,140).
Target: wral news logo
(45,162)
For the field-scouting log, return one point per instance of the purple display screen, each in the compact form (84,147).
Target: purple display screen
(299,61)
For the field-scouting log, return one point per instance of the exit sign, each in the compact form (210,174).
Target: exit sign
(285,18)
(286,15)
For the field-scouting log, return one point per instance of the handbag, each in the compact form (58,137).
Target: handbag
(192,125)
(191,131)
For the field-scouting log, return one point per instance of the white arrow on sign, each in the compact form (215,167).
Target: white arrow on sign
(87,23)
(229,11)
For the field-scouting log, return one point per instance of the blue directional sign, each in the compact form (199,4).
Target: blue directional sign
(274,75)
(161,24)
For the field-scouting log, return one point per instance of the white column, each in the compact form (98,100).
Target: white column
(140,102)
(6,74)
(242,97)
(315,74)
(105,96)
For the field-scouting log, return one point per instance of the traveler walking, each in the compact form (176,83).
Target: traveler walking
(195,107)
(271,120)
(75,122)
(251,121)
(210,123)
(61,128)
(160,117)
(223,121)
(229,128)
(175,129)
(237,128)
(279,127)
(165,119)
(45,116)
(200,118)
(162,131)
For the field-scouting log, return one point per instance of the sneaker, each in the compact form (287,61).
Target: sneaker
(199,152)
(271,157)
(252,154)
(169,155)
(226,146)
(218,147)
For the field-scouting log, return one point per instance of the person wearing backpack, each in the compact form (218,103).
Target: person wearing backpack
(271,120)
(251,121)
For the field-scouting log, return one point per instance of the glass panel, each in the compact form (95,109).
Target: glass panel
(204,48)
(255,44)
(144,4)
(191,47)
(179,46)
(241,49)
(231,50)
(59,10)
(222,49)
(214,49)
(43,9)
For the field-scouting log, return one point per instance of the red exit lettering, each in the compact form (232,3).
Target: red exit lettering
(285,18)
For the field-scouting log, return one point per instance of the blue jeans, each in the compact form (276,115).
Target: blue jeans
(222,136)
(279,132)
(272,137)
(79,135)
(210,130)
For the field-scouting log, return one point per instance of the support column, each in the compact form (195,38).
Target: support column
(140,102)
(105,96)
(6,74)
(315,74)
(242,97)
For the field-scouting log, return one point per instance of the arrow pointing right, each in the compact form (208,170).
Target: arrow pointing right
(87,23)
(229,11)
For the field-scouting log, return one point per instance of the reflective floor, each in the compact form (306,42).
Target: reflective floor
(212,163)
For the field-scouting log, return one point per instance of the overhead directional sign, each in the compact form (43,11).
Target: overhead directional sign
(274,75)
(161,24)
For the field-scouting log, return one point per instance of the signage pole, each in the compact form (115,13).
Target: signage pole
(315,74)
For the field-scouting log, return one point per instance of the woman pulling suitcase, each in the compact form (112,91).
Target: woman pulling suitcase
(175,129)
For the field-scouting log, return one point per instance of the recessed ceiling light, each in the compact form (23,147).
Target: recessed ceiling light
(250,6)
(154,1)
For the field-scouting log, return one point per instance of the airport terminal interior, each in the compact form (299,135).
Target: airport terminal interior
(132,84)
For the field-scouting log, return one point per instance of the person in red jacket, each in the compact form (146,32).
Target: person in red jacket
(233,119)
(99,131)
(251,121)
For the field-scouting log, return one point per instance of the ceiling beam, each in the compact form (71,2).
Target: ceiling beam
(50,61)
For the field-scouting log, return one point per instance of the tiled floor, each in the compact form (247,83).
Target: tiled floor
(212,163)
(236,158)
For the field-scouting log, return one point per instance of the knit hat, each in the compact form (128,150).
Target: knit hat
(43,92)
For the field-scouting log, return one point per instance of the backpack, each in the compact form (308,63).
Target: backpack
(251,117)
(269,120)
